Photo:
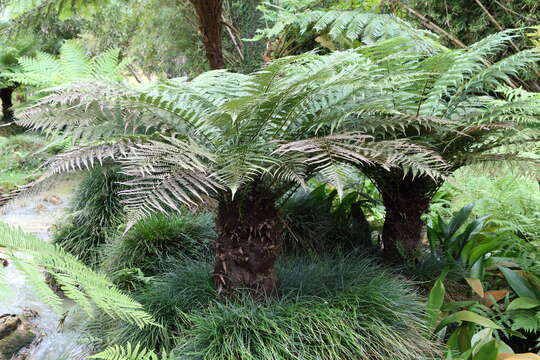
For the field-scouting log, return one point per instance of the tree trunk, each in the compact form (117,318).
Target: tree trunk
(405,200)
(248,243)
(209,13)
(403,226)
(7,104)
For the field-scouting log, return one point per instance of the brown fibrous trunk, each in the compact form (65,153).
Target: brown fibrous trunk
(249,240)
(406,199)
(6,96)
(209,13)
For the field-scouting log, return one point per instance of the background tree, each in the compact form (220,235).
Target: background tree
(463,22)
(9,55)
(178,51)
(219,24)
(473,20)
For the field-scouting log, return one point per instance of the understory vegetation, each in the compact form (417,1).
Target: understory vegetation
(281,180)
(21,157)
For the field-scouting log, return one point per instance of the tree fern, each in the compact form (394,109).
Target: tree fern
(384,108)
(214,141)
(90,290)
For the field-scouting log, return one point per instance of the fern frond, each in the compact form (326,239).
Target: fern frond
(80,282)
(166,174)
(73,64)
(77,159)
(351,25)
(130,352)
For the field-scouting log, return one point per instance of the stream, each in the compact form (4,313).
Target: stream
(38,216)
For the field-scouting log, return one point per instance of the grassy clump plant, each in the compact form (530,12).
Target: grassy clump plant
(170,298)
(151,242)
(95,213)
(327,308)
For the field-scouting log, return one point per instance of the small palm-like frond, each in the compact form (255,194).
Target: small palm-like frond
(130,352)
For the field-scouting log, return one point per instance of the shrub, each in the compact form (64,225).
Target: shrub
(327,308)
(95,213)
(151,241)
(512,203)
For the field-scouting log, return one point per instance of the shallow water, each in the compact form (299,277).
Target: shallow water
(38,216)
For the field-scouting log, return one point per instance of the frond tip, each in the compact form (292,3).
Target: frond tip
(130,352)
(79,283)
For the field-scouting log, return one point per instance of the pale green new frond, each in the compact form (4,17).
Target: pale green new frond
(74,61)
(36,279)
(31,254)
(108,64)
(73,64)
(43,69)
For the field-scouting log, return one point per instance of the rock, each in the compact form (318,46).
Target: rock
(55,200)
(8,324)
(53,285)
(4,262)
(27,350)
(20,338)
(14,335)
